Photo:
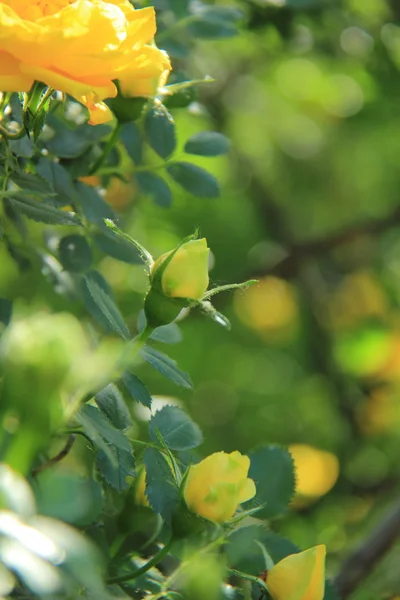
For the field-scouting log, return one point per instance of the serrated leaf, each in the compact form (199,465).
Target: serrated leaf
(207,143)
(70,143)
(116,476)
(100,304)
(272,470)
(194,179)
(41,212)
(137,389)
(118,247)
(59,179)
(93,205)
(159,129)
(166,366)
(132,140)
(75,253)
(176,428)
(161,489)
(155,187)
(112,404)
(32,183)
(115,456)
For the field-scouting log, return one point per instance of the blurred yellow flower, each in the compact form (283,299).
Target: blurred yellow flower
(80,47)
(268,307)
(316,470)
(217,485)
(299,576)
(186,275)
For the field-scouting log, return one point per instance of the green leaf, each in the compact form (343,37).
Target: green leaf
(126,109)
(137,389)
(23,147)
(100,430)
(145,254)
(155,187)
(75,253)
(166,366)
(116,476)
(194,179)
(167,334)
(112,404)
(59,179)
(41,212)
(161,489)
(118,247)
(209,29)
(272,470)
(94,207)
(32,183)
(243,552)
(213,22)
(159,129)
(132,140)
(67,496)
(330,591)
(70,143)
(207,143)
(176,427)
(115,457)
(100,304)
(5,311)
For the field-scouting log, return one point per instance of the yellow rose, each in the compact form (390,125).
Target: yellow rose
(80,47)
(186,275)
(216,486)
(299,576)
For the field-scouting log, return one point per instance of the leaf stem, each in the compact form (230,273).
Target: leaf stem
(146,567)
(107,149)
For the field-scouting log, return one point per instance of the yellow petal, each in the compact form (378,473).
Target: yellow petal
(11,79)
(299,576)
(247,491)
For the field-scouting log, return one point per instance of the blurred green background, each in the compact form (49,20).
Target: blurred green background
(309,94)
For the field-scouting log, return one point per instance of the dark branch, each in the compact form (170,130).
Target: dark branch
(52,461)
(300,253)
(359,564)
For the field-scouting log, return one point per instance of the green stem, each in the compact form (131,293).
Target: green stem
(107,149)
(146,567)
(10,135)
(252,578)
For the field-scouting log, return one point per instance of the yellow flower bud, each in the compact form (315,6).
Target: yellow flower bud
(186,275)
(140,489)
(299,576)
(217,485)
